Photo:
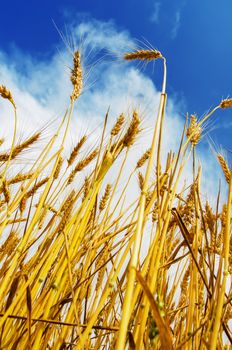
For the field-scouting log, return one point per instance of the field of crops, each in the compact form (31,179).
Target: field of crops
(73,270)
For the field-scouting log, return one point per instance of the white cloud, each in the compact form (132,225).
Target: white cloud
(155,17)
(41,91)
(176,24)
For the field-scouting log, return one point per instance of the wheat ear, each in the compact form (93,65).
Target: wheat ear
(76,76)
(143,55)
(5,93)
(226,103)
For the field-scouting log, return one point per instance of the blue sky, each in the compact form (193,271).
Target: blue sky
(194,36)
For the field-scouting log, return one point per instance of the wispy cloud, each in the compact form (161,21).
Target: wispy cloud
(41,91)
(155,17)
(176,24)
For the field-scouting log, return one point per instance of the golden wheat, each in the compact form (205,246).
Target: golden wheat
(143,55)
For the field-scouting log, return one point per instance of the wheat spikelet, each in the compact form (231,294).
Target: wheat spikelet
(27,143)
(143,55)
(76,149)
(105,197)
(118,125)
(223,216)
(227,103)
(209,217)
(9,245)
(82,164)
(194,130)
(5,191)
(91,218)
(18,178)
(148,198)
(143,159)
(22,204)
(19,148)
(133,130)
(30,193)
(5,93)
(67,202)
(1,141)
(76,76)
(224,167)
(141,180)
(66,212)
(184,286)
(86,188)
(217,248)
(36,187)
(58,168)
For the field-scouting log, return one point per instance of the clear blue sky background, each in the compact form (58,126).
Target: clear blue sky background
(195,36)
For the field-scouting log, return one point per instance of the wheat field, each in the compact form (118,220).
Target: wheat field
(73,271)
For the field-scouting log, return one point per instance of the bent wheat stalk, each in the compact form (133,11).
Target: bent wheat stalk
(126,311)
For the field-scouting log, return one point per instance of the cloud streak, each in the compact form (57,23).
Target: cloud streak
(176,24)
(155,17)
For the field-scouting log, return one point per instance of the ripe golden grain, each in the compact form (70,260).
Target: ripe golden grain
(22,204)
(141,180)
(19,178)
(227,103)
(224,167)
(184,286)
(96,281)
(118,125)
(76,76)
(194,130)
(68,200)
(86,188)
(82,164)
(5,191)
(143,55)
(9,245)
(5,93)
(21,147)
(76,150)
(133,130)
(105,197)
(67,210)
(33,190)
(58,168)
(143,159)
